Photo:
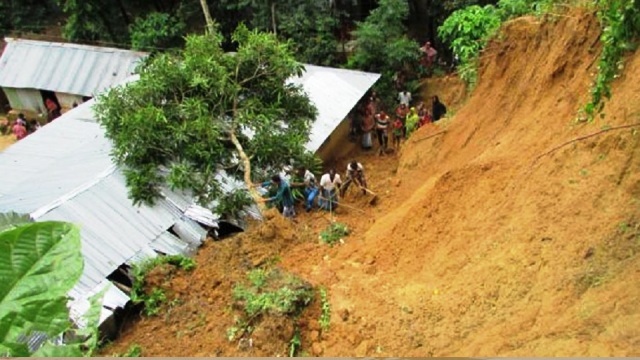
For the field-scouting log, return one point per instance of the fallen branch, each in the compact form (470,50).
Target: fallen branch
(583,138)
(430,136)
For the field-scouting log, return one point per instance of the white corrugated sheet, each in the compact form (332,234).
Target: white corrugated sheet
(334,92)
(66,68)
(64,172)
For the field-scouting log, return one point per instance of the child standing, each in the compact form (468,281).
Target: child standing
(397,133)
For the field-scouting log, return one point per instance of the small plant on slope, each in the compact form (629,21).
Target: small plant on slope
(325,316)
(155,297)
(333,233)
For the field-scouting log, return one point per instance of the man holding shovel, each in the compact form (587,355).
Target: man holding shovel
(355,173)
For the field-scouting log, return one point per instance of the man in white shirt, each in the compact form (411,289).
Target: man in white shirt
(355,173)
(329,184)
(404,97)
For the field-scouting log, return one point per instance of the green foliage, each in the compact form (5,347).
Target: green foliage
(157,30)
(325,315)
(272,292)
(39,264)
(232,203)
(295,343)
(268,292)
(177,123)
(333,233)
(467,31)
(156,297)
(621,27)
(508,9)
(134,350)
(382,44)
(93,20)
(12,219)
(26,16)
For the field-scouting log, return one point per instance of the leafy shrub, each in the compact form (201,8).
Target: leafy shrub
(233,203)
(268,292)
(508,9)
(156,297)
(40,263)
(621,27)
(468,30)
(333,233)
(156,30)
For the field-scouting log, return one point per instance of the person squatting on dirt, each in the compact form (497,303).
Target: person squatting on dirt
(310,187)
(329,183)
(382,123)
(355,173)
(284,196)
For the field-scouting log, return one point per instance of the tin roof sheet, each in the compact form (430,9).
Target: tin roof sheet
(66,68)
(334,92)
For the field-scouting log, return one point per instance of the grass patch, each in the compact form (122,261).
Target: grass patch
(325,315)
(334,233)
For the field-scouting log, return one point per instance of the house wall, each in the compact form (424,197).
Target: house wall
(66,100)
(337,145)
(28,101)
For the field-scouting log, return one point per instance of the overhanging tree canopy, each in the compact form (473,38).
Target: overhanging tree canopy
(200,110)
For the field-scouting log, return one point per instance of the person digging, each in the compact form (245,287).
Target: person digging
(355,173)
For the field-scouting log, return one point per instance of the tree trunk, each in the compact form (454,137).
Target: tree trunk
(246,163)
(207,16)
(273,18)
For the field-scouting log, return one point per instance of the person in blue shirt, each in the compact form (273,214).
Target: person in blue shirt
(283,196)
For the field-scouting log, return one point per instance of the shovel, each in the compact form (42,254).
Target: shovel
(374,196)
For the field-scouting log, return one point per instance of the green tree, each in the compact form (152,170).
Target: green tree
(382,44)
(94,20)
(27,16)
(201,110)
(467,31)
(157,31)
(39,264)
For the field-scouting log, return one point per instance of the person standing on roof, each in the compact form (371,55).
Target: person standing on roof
(329,183)
(284,196)
(355,173)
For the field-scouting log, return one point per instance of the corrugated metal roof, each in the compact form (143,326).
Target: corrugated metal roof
(66,68)
(334,92)
(64,172)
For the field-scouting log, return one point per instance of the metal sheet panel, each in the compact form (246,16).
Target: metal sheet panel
(334,92)
(68,68)
(25,99)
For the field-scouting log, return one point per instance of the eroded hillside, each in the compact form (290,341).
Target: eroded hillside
(489,237)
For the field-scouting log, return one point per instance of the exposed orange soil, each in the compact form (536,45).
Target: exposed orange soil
(481,244)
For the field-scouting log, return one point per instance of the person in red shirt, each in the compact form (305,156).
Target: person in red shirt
(19,130)
(398,132)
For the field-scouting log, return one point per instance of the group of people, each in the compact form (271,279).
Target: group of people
(371,120)
(322,195)
(21,127)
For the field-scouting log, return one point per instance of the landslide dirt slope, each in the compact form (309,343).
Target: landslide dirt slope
(483,243)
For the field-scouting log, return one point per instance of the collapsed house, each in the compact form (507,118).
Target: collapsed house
(64,172)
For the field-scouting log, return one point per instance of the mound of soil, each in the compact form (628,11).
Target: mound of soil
(494,232)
